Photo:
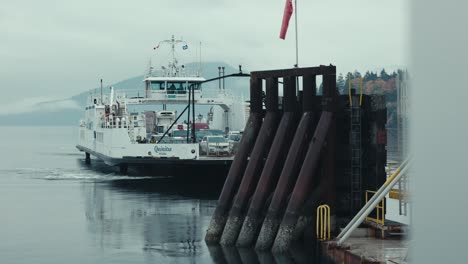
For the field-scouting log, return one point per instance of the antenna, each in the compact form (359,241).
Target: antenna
(173,65)
(150,67)
(101,91)
(200,65)
(224,89)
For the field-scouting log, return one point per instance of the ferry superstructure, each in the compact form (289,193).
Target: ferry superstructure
(119,136)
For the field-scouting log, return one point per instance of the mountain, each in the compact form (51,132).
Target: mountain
(68,111)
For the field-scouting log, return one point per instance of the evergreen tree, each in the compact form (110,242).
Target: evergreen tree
(340,84)
(349,77)
(356,74)
(367,76)
(384,76)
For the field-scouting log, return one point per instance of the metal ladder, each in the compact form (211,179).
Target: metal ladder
(356,151)
(355,101)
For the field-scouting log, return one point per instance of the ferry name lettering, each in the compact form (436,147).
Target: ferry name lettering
(162,148)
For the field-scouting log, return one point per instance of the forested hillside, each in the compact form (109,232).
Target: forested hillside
(374,83)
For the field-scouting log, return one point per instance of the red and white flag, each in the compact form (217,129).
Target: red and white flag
(288,10)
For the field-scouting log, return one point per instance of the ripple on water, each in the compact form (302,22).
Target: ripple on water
(60,174)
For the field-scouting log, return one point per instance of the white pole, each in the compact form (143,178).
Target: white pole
(200,65)
(372,206)
(297,49)
(369,203)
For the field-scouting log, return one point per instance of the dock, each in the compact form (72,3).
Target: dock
(368,250)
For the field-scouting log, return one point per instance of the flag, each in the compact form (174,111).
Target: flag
(288,10)
(156,47)
(184,47)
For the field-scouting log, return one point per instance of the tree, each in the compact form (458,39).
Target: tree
(384,75)
(341,84)
(356,74)
(367,76)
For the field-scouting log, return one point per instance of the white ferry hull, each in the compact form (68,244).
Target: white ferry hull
(113,146)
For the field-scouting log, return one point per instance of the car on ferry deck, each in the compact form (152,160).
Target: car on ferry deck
(214,145)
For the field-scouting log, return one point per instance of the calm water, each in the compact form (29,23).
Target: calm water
(56,209)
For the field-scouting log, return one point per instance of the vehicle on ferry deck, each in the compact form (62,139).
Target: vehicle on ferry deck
(233,141)
(214,145)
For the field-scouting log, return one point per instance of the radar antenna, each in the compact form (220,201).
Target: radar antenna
(173,68)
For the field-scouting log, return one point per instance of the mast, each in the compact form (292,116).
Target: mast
(101,91)
(172,42)
(297,48)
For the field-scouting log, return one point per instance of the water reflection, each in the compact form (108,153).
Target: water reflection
(165,220)
(298,254)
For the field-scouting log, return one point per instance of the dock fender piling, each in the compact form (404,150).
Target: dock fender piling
(219,218)
(286,181)
(267,233)
(307,177)
(308,213)
(268,179)
(255,166)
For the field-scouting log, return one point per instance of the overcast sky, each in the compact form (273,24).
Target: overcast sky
(55,49)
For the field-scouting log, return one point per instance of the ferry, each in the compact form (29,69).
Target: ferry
(113,131)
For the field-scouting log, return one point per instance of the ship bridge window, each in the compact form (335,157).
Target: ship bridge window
(158,85)
(176,87)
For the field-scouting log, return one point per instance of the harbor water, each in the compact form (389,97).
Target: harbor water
(56,209)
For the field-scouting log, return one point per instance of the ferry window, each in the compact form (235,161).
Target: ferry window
(158,85)
(177,87)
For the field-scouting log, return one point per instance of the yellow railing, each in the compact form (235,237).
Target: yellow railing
(380,207)
(349,91)
(323,222)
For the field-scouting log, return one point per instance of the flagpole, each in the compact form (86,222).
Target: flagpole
(297,49)
(295,21)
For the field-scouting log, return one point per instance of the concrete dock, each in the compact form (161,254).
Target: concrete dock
(369,250)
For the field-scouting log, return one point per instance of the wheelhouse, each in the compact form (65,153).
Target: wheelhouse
(173,88)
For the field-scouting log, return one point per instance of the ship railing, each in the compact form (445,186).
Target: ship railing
(183,72)
(114,122)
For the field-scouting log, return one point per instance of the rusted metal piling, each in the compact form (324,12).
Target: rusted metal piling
(291,167)
(308,176)
(218,220)
(255,165)
(285,169)
(273,165)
